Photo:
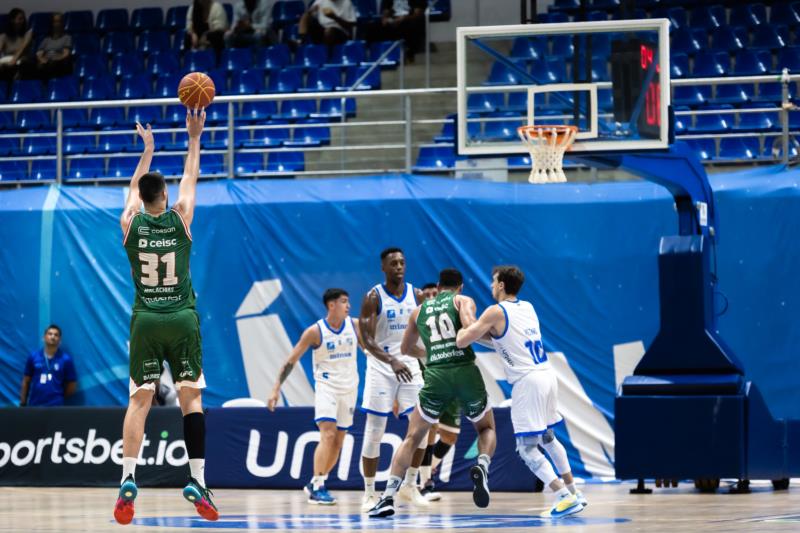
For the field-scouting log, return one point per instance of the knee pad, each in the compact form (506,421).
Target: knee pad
(557,453)
(536,461)
(373,433)
(548,437)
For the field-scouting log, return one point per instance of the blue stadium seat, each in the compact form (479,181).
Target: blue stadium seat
(435,158)
(212,164)
(165,63)
(376,50)
(39,23)
(126,64)
(788,58)
(62,89)
(528,49)
(771,37)
(601,46)
(179,41)
(600,69)
(88,43)
(596,15)
(285,162)
(440,10)
(258,111)
(91,66)
(733,148)
(114,143)
(234,59)
(147,18)
(517,101)
(448,133)
(734,94)
(705,149)
(169,142)
(13,170)
(562,46)
(199,61)
(550,70)
(33,119)
(323,80)
(284,81)
(75,118)
(353,74)
(43,170)
(269,138)
(98,89)
(215,114)
(332,108)
(122,167)
(248,163)
(176,18)
(679,65)
(708,17)
(79,144)
(291,35)
(107,116)
(309,135)
(297,109)
(718,123)
(519,162)
(118,42)
(505,130)
(678,17)
(310,56)
(112,20)
(752,63)
(366,10)
(729,39)
(502,75)
(352,53)
(286,12)
(168,165)
(248,82)
(787,13)
(688,41)
(145,114)
(78,22)
(6,120)
(747,14)
(24,91)
(605,100)
(757,122)
(220,78)
(711,64)
(274,57)
(556,16)
(565,5)
(176,114)
(485,102)
(681,122)
(692,96)
(166,85)
(773,93)
(215,140)
(9,146)
(151,41)
(87,167)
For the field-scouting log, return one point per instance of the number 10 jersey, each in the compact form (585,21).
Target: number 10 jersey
(158,249)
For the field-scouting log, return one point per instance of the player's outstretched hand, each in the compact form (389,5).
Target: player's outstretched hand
(401,371)
(195,120)
(272,401)
(146,133)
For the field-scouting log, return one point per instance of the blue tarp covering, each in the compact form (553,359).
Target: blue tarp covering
(264,251)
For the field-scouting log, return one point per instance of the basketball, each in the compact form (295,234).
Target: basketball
(196,90)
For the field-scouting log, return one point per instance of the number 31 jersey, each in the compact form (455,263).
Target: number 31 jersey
(520,345)
(158,250)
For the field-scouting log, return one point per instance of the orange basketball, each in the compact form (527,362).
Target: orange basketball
(196,90)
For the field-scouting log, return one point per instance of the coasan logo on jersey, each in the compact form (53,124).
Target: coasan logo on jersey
(160,243)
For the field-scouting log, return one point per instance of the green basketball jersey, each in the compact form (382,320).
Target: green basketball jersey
(438,322)
(158,249)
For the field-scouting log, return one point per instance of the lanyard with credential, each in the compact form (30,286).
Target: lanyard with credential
(47,363)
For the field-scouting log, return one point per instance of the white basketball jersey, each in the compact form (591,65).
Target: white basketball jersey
(335,357)
(393,315)
(520,346)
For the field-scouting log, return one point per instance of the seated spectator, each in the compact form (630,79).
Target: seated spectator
(329,22)
(54,56)
(206,22)
(251,24)
(49,373)
(15,47)
(401,19)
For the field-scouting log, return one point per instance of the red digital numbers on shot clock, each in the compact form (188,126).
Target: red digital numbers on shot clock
(652,103)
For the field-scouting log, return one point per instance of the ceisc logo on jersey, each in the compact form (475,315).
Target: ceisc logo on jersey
(159,243)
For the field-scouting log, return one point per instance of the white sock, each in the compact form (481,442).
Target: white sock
(425,474)
(324,477)
(128,468)
(369,485)
(571,488)
(411,476)
(198,470)
(562,492)
(392,485)
(317,482)
(484,461)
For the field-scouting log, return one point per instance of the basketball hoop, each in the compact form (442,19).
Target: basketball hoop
(547,144)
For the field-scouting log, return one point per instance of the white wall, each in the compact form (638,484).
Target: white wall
(465,12)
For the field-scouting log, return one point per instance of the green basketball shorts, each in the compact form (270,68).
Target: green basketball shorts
(460,384)
(171,337)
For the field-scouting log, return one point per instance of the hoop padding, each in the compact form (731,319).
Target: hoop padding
(547,145)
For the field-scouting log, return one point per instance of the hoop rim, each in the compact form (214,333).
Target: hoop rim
(560,129)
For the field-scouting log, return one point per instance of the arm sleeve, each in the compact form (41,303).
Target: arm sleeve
(29,366)
(69,370)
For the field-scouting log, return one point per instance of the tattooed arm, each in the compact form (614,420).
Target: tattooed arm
(309,339)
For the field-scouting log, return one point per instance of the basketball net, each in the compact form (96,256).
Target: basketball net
(547,145)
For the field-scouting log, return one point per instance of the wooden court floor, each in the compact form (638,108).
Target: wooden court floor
(611,508)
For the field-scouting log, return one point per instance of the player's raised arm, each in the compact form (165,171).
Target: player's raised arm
(308,339)
(410,344)
(133,203)
(367,323)
(487,323)
(195,120)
